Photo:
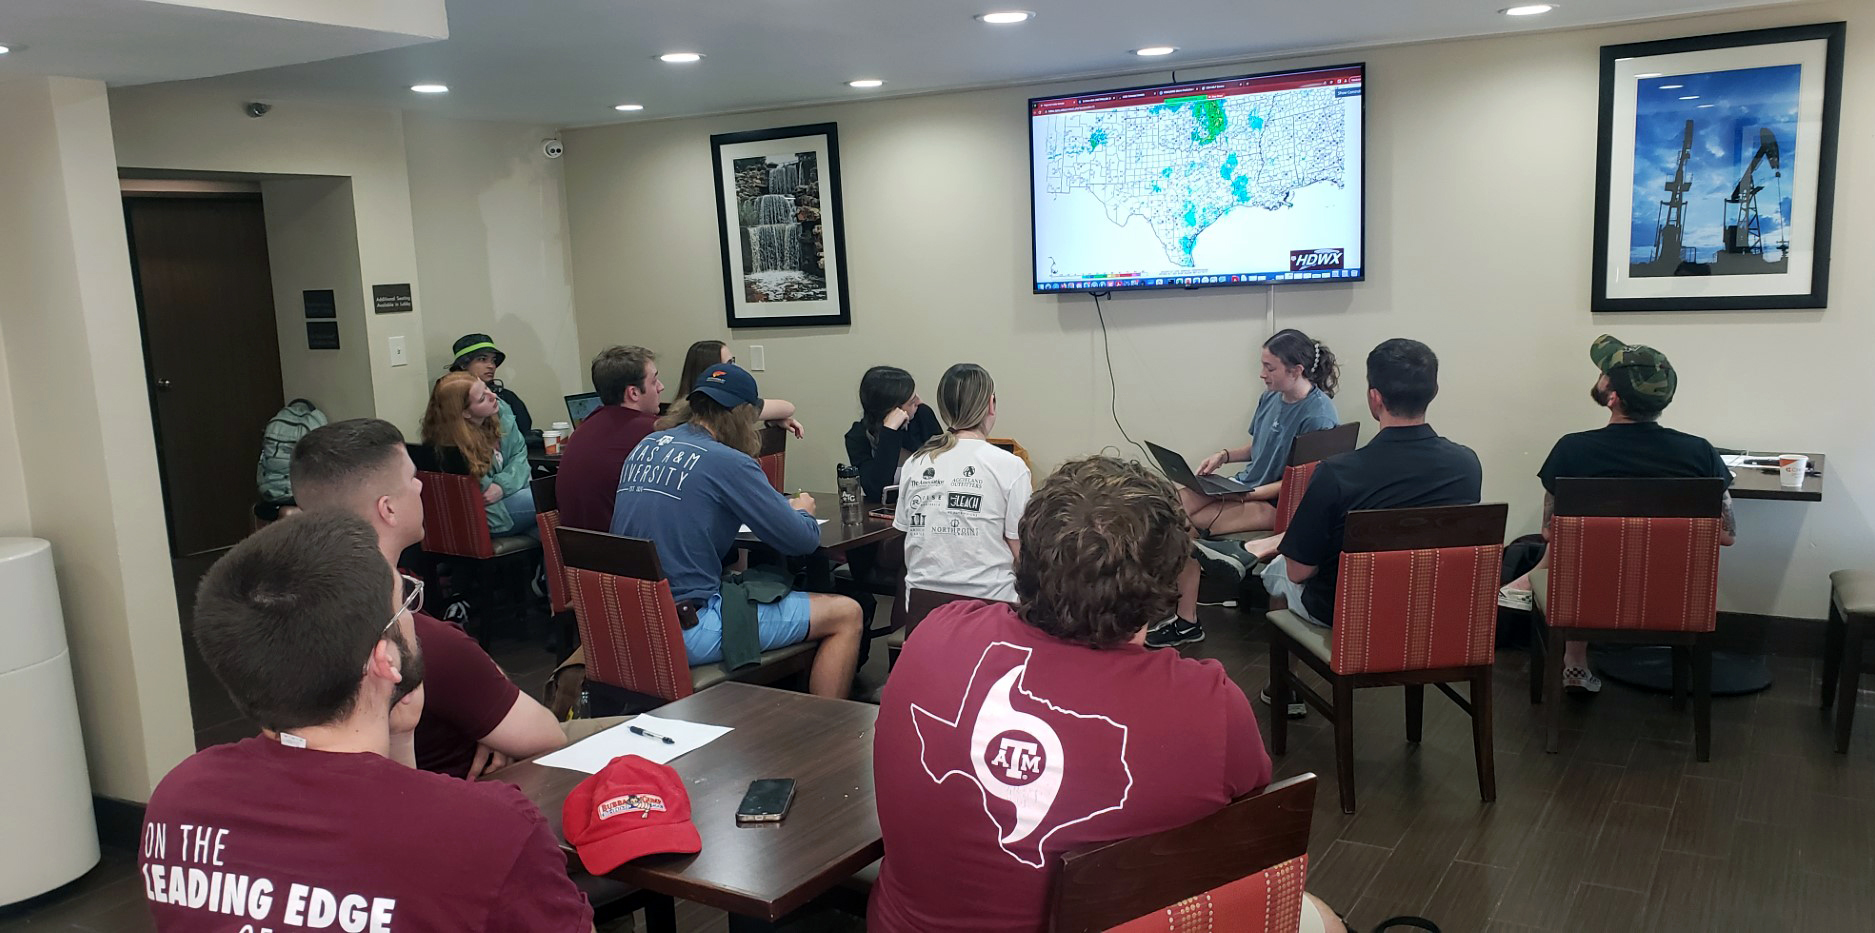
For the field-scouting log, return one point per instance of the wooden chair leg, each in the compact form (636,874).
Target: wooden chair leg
(1702,698)
(1682,669)
(1537,658)
(1552,691)
(1853,631)
(1415,711)
(1279,693)
(1344,741)
(661,915)
(1832,652)
(1481,740)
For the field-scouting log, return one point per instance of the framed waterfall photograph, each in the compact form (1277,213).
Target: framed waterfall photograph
(1716,171)
(778,211)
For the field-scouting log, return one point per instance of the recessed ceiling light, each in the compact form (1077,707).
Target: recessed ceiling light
(1651,74)
(680,58)
(628,108)
(4,50)
(1155,50)
(1690,97)
(430,88)
(1532,9)
(1006,17)
(865,82)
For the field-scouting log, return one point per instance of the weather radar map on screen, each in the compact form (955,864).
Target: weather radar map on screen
(1228,181)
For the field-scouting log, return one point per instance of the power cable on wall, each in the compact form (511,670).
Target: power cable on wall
(1113,386)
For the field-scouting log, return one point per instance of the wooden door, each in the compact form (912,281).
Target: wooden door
(211,357)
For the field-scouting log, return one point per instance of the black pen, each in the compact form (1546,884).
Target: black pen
(637,730)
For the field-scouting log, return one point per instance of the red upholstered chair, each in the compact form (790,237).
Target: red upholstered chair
(547,512)
(918,604)
(774,456)
(1632,561)
(1415,604)
(631,629)
(1240,870)
(1307,452)
(492,570)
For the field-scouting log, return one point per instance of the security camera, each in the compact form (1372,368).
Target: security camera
(255,108)
(552,148)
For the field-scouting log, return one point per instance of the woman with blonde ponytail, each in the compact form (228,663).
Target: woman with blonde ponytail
(960,498)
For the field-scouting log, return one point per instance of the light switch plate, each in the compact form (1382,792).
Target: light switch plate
(758,360)
(398,356)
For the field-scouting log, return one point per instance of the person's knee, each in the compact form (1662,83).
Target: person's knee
(841,614)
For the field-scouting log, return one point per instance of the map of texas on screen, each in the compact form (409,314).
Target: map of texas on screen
(1220,182)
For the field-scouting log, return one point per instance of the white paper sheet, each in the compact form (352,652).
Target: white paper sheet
(1749,461)
(594,752)
(746,530)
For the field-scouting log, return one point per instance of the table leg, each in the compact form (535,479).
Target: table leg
(741,924)
(1650,667)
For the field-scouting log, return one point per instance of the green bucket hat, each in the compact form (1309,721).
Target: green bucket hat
(1641,369)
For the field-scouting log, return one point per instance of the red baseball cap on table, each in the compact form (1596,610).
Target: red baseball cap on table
(631,808)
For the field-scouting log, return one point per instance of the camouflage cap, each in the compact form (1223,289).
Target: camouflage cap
(1642,369)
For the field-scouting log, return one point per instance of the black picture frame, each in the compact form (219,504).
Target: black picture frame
(1746,75)
(783,253)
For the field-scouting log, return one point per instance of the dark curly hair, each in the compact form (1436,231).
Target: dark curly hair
(1103,542)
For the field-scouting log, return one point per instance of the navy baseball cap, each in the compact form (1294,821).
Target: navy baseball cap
(729,385)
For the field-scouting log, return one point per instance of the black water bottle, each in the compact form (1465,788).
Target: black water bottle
(852,500)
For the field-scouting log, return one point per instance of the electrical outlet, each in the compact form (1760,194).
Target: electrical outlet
(398,356)
(758,360)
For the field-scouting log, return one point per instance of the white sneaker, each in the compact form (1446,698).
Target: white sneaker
(1516,599)
(1581,679)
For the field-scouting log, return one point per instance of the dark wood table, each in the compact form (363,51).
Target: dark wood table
(760,872)
(1753,483)
(838,536)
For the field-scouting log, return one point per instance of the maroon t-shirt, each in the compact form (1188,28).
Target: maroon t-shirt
(465,696)
(590,466)
(998,748)
(255,835)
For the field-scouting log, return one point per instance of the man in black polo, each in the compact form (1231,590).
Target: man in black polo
(1406,465)
(1635,385)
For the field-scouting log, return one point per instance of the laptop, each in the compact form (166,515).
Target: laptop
(578,407)
(1178,471)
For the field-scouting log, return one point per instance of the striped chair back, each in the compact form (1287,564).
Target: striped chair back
(628,622)
(1305,453)
(1417,589)
(1638,554)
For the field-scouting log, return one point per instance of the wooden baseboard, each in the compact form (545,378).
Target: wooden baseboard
(120,822)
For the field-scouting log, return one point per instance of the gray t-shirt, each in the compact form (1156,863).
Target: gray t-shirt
(1275,424)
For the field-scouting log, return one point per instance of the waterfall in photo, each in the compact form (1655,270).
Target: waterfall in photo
(766,209)
(784,178)
(774,247)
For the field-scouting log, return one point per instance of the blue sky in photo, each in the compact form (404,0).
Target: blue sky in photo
(1727,110)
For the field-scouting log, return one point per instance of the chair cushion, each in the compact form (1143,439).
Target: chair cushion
(1539,587)
(1854,590)
(514,544)
(709,675)
(1312,637)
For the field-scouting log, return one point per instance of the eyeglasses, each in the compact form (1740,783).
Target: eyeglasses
(413,601)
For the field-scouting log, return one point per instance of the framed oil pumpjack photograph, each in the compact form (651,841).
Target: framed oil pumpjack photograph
(1716,171)
(778,210)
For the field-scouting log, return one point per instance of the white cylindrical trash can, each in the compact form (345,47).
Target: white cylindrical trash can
(45,814)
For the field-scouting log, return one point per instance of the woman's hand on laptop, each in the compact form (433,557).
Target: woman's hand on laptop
(1211,463)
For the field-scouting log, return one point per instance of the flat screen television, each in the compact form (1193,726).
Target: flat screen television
(1227,181)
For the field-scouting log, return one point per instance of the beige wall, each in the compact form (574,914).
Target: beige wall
(85,448)
(15,512)
(312,244)
(490,221)
(1480,205)
(179,127)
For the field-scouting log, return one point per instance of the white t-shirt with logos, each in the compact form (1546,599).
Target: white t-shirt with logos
(956,512)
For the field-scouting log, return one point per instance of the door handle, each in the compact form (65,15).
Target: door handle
(162,385)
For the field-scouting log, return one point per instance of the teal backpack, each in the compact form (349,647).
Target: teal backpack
(276,448)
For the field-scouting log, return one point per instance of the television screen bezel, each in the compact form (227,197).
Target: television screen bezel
(1361,236)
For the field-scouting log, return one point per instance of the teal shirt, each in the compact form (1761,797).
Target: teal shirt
(1275,424)
(510,469)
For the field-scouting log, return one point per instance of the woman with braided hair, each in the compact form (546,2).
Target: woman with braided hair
(1299,378)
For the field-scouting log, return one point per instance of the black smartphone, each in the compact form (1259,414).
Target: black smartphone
(767,801)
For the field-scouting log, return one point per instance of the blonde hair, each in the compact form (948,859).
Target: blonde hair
(732,427)
(963,401)
(444,426)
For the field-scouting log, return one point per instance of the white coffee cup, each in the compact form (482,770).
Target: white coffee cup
(1791,469)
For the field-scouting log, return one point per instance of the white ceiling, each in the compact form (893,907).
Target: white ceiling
(566,62)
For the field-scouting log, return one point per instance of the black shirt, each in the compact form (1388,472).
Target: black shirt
(877,457)
(1639,450)
(1400,468)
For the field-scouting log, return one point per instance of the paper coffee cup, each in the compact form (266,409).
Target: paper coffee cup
(1791,469)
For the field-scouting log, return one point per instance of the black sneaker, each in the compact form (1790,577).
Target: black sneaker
(1227,559)
(1297,708)
(1173,633)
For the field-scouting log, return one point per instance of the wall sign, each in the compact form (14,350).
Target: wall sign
(392,299)
(322,335)
(321,304)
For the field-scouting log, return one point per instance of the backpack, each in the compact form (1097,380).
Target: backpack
(290,424)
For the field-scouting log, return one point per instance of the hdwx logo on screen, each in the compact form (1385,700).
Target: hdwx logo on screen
(1309,260)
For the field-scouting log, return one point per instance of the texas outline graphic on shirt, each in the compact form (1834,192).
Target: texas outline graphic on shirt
(1031,762)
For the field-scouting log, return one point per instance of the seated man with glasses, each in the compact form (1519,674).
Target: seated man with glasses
(312,826)
(475,719)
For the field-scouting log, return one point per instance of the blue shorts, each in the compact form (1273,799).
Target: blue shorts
(781,623)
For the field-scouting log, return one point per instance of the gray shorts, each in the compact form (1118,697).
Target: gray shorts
(1276,581)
